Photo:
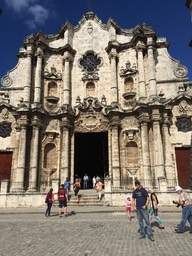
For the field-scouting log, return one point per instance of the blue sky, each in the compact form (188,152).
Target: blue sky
(20,18)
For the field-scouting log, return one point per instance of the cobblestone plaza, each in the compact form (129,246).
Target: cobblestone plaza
(88,234)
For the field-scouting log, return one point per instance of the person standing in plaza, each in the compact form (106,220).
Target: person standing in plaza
(128,204)
(99,188)
(67,185)
(49,201)
(76,188)
(62,198)
(94,181)
(185,201)
(153,210)
(85,181)
(140,200)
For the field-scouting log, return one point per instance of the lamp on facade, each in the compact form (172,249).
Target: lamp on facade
(78,99)
(103,100)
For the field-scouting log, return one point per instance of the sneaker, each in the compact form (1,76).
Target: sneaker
(151,238)
(161,227)
(142,236)
(178,231)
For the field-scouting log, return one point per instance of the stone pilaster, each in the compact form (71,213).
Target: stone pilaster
(158,147)
(27,85)
(170,175)
(151,67)
(65,147)
(38,77)
(115,152)
(18,185)
(114,88)
(33,171)
(66,78)
(142,90)
(144,119)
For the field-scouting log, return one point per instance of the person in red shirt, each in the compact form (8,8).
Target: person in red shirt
(62,198)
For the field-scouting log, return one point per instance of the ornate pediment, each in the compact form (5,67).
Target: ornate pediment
(128,71)
(88,104)
(91,122)
(52,74)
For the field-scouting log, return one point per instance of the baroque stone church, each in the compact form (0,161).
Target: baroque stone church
(98,99)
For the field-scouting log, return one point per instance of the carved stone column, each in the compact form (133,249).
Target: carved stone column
(27,85)
(21,162)
(170,175)
(65,146)
(158,148)
(33,171)
(66,79)
(144,119)
(151,67)
(142,90)
(114,89)
(38,77)
(115,152)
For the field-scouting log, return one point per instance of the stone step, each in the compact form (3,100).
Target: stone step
(86,198)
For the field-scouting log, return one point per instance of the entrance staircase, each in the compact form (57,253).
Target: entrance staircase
(87,197)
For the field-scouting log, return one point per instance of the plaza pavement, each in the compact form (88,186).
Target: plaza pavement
(88,231)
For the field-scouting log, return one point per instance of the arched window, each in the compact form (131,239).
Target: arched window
(132,153)
(128,84)
(52,89)
(50,156)
(90,89)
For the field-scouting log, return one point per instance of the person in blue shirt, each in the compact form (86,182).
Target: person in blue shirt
(67,185)
(140,200)
(85,181)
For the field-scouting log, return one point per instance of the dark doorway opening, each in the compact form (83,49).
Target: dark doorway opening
(91,154)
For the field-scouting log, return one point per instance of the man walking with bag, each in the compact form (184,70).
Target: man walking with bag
(185,201)
(140,201)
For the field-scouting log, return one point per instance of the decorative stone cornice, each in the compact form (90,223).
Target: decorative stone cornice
(112,45)
(65,125)
(155,116)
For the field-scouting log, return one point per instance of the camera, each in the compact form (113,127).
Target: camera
(177,205)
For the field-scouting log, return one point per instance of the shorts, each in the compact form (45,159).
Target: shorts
(62,204)
(76,191)
(128,209)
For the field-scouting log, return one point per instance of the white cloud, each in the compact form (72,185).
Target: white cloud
(33,13)
(39,13)
(19,5)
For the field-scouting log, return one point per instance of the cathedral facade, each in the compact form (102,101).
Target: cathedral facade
(98,99)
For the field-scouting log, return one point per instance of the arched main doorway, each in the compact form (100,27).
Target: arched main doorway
(91,154)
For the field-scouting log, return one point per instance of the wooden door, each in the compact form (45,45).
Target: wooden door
(5,165)
(183,166)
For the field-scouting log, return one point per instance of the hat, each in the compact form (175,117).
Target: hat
(177,188)
(137,182)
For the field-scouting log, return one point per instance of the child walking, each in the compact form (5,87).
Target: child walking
(128,207)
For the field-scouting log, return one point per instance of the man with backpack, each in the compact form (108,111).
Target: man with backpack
(62,198)
(140,200)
